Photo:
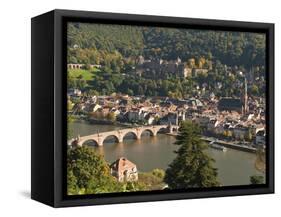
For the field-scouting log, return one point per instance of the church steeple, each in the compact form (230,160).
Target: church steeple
(245,100)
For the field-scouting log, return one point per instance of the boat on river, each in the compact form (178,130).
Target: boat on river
(217,146)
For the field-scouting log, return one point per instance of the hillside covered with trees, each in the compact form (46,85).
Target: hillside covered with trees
(231,48)
(116,50)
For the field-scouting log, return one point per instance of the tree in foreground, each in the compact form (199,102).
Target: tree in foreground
(88,173)
(192,167)
(256,180)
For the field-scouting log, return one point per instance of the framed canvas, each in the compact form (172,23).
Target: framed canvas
(134,108)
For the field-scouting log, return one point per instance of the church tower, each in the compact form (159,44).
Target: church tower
(245,100)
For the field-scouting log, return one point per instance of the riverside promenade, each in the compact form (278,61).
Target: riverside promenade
(225,144)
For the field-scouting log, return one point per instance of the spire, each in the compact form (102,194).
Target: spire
(245,96)
(245,85)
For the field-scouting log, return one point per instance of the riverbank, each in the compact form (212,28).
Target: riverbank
(260,163)
(231,145)
(225,144)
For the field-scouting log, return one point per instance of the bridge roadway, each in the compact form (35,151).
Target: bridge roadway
(121,133)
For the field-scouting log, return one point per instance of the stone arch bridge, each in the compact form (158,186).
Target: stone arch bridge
(99,138)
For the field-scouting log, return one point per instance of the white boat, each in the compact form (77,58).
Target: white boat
(217,146)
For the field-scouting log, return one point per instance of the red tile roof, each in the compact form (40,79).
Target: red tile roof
(122,164)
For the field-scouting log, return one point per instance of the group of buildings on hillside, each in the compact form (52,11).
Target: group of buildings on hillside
(159,68)
(162,69)
(233,118)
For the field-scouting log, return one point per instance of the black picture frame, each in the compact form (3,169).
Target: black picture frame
(48,163)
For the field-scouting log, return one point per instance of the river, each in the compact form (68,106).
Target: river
(234,167)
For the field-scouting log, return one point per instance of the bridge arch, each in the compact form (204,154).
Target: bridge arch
(117,140)
(90,142)
(130,133)
(148,130)
(162,129)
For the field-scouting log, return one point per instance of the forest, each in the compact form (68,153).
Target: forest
(94,41)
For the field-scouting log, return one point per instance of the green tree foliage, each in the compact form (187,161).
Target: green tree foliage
(249,136)
(69,131)
(96,41)
(255,180)
(254,90)
(231,48)
(111,116)
(152,180)
(88,173)
(192,167)
(127,40)
(72,187)
(158,173)
(134,186)
(116,49)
